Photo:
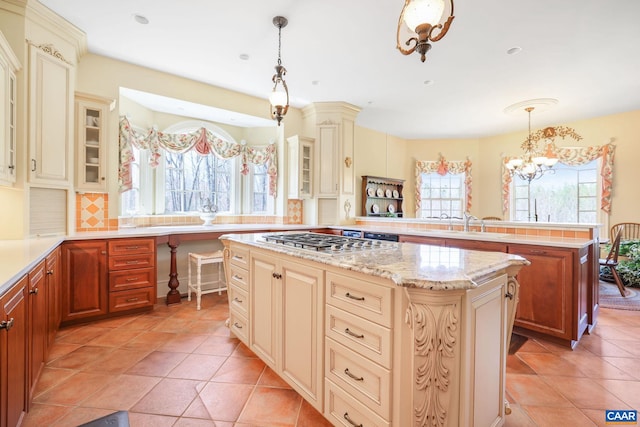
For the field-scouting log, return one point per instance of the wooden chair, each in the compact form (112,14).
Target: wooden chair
(611,261)
(630,230)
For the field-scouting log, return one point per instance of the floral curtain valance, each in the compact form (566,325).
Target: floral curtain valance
(201,140)
(442,167)
(573,156)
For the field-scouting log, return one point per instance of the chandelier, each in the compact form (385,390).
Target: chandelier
(422,17)
(279,98)
(533,164)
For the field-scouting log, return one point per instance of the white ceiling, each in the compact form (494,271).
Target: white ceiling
(584,53)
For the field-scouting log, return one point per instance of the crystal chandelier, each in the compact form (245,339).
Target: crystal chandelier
(421,18)
(533,164)
(279,98)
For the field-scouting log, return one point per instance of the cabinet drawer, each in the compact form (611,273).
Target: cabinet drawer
(344,410)
(239,277)
(127,262)
(369,382)
(131,246)
(238,300)
(364,299)
(132,279)
(367,338)
(127,300)
(239,326)
(239,256)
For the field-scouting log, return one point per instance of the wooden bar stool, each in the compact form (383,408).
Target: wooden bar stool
(199,260)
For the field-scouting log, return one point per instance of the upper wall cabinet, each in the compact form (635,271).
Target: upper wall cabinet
(300,167)
(328,171)
(50,116)
(9,65)
(92,113)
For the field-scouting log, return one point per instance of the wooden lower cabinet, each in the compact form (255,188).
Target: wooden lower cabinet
(553,292)
(477,245)
(53,283)
(37,325)
(424,240)
(13,354)
(84,282)
(286,326)
(104,277)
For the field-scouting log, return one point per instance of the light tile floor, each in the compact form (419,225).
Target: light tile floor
(177,366)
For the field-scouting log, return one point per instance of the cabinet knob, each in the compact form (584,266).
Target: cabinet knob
(6,324)
(508,295)
(34,291)
(50,272)
(103,252)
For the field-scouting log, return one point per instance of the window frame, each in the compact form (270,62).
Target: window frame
(462,176)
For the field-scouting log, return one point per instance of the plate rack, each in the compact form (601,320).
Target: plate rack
(382,197)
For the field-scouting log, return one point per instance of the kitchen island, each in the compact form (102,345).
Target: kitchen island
(396,334)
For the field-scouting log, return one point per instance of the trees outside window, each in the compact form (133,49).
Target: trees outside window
(569,194)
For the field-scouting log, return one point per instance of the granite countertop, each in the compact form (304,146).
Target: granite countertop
(406,264)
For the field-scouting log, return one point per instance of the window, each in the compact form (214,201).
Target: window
(190,179)
(183,181)
(442,195)
(570,194)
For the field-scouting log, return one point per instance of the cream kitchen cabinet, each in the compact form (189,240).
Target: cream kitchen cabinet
(300,167)
(51,82)
(92,115)
(237,271)
(9,65)
(328,170)
(286,321)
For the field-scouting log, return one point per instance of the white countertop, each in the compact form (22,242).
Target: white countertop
(406,264)
(18,257)
(558,242)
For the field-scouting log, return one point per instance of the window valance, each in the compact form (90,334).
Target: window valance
(201,140)
(443,167)
(573,156)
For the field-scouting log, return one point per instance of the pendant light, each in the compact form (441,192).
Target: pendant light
(279,98)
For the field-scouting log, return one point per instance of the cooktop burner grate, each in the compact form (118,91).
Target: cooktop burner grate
(323,242)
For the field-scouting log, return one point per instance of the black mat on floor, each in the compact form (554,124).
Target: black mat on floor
(117,419)
(516,342)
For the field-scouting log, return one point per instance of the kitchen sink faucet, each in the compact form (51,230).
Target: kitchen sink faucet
(467,219)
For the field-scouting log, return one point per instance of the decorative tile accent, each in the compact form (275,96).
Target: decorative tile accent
(92,210)
(294,211)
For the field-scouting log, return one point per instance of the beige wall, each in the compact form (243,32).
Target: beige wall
(378,154)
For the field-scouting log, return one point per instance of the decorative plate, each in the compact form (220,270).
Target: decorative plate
(379,192)
(396,195)
(375,208)
(371,192)
(387,193)
(391,208)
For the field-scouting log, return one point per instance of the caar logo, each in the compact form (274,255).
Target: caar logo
(621,416)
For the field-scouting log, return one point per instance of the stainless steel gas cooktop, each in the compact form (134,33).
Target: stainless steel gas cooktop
(326,243)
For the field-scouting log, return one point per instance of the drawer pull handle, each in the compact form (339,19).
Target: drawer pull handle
(132,262)
(131,279)
(239,301)
(276,275)
(6,324)
(348,332)
(537,252)
(34,291)
(235,276)
(132,247)
(346,417)
(132,299)
(348,295)
(49,272)
(346,371)
(238,257)
(237,325)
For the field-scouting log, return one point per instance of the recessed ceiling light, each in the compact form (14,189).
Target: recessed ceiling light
(514,50)
(140,19)
(315,82)
(244,56)
(428,82)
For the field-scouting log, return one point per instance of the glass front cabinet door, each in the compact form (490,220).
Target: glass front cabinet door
(92,114)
